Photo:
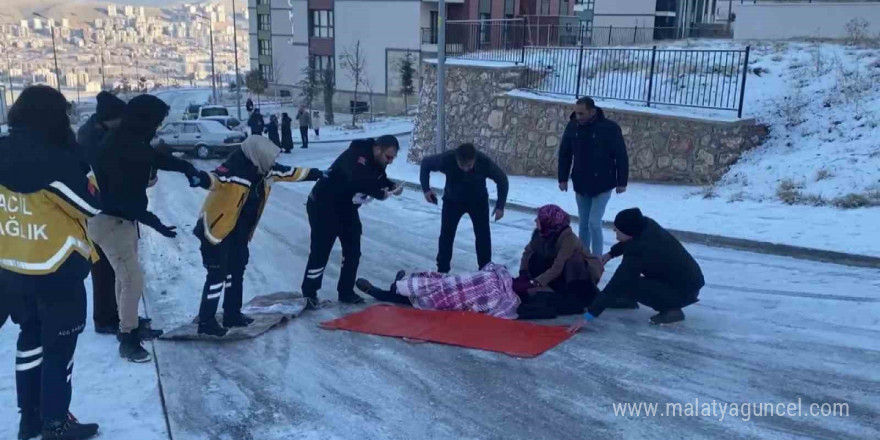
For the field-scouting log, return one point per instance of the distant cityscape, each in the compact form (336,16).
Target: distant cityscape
(126,49)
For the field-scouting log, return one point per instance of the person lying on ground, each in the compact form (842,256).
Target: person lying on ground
(557,275)
(225,227)
(488,291)
(656,270)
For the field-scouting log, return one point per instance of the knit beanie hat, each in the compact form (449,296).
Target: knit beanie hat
(630,221)
(109,107)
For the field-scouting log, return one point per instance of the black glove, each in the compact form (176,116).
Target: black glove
(152,221)
(202,179)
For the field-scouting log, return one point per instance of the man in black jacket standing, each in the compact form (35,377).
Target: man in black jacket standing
(596,147)
(108,115)
(466,172)
(656,271)
(123,173)
(356,177)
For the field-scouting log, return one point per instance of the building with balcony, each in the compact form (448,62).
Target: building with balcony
(284,39)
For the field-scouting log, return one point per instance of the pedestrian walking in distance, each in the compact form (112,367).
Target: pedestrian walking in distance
(305,121)
(317,122)
(286,134)
(256,123)
(45,256)
(593,154)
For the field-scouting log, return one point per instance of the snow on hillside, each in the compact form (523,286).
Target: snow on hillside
(821,101)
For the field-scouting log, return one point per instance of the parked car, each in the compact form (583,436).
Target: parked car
(201,138)
(212,110)
(192,112)
(229,122)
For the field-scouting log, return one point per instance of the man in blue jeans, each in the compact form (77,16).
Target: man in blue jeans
(593,154)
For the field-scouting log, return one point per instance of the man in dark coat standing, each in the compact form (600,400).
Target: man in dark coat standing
(272,131)
(656,270)
(108,115)
(256,123)
(593,154)
(286,134)
(466,171)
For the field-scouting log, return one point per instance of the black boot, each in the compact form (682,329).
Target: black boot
(31,423)
(70,430)
(363,285)
(212,328)
(350,298)
(131,350)
(668,317)
(145,330)
(110,329)
(237,319)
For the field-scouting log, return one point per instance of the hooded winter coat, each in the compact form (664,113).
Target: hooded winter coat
(240,188)
(126,159)
(45,199)
(286,134)
(256,123)
(272,130)
(599,154)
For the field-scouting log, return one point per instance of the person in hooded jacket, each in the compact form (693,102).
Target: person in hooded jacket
(656,270)
(256,122)
(593,154)
(108,115)
(123,173)
(249,105)
(356,177)
(45,256)
(239,190)
(272,130)
(286,134)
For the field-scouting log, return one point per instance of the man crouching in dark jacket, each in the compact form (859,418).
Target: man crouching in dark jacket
(656,271)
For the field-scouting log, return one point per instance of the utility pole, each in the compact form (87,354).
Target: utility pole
(103,80)
(213,74)
(441,77)
(54,52)
(9,73)
(237,76)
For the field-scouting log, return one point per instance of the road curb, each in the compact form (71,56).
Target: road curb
(742,244)
(405,133)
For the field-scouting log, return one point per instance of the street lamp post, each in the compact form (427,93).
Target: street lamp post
(213,74)
(237,76)
(54,52)
(9,72)
(441,77)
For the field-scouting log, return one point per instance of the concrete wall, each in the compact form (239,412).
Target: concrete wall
(624,13)
(523,135)
(801,20)
(378,25)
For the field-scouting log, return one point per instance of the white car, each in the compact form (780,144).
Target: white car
(202,139)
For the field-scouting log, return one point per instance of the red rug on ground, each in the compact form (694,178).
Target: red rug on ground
(463,329)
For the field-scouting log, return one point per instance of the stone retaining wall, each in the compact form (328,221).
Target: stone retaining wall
(523,134)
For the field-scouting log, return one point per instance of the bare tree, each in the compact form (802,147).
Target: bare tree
(369,86)
(309,85)
(255,83)
(277,68)
(328,85)
(355,65)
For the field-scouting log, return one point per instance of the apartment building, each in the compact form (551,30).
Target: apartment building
(653,13)
(288,35)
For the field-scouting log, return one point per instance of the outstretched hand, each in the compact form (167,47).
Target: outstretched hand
(168,231)
(431,197)
(499,214)
(577,326)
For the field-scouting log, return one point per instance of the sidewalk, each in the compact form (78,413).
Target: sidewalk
(816,233)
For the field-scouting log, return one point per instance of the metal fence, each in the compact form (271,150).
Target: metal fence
(712,79)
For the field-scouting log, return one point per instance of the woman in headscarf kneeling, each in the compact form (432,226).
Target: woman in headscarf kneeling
(557,276)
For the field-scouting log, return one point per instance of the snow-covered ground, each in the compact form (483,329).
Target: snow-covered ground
(760,318)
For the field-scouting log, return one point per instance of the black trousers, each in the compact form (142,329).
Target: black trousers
(104,311)
(304,134)
(451,214)
(226,263)
(327,224)
(661,296)
(51,313)
(572,292)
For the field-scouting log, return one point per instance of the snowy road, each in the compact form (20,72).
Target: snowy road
(767,329)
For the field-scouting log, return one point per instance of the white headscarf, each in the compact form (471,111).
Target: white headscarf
(261,152)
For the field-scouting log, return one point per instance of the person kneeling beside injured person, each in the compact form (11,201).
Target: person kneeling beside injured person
(557,275)
(239,190)
(656,270)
